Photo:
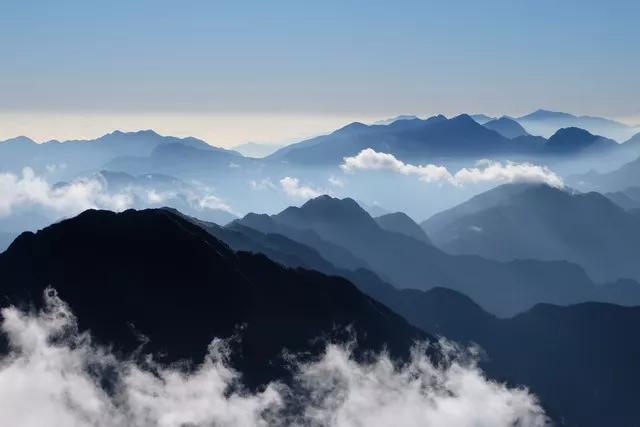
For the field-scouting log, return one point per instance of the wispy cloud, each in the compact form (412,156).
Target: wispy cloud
(29,190)
(484,171)
(65,199)
(293,188)
(46,381)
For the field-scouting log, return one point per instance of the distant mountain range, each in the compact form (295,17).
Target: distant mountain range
(177,274)
(534,348)
(506,127)
(526,221)
(439,137)
(82,155)
(546,123)
(617,180)
(629,198)
(578,359)
(346,236)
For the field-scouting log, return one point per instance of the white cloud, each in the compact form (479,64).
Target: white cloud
(484,171)
(212,202)
(57,383)
(293,188)
(369,159)
(30,191)
(65,199)
(492,171)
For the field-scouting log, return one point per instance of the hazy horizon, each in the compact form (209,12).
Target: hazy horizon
(79,70)
(219,129)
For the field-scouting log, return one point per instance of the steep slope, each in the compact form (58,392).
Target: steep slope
(578,359)
(153,278)
(506,127)
(541,222)
(503,288)
(582,345)
(5,239)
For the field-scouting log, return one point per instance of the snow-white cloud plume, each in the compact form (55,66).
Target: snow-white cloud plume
(484,171)
(29,190)
(293,188)
(56,382)
(64,199)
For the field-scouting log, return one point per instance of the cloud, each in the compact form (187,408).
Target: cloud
(31,191)
(64,199)
(52,376)
(369,159)
(484,171)
(213,202)
(492,171)
(291,186)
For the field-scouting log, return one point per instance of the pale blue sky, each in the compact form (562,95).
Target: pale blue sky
(350,58)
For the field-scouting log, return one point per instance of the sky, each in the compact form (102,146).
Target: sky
(237,71)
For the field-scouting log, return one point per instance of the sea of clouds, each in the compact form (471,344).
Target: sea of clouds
(54,375)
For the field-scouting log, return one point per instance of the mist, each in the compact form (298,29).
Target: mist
(55,367)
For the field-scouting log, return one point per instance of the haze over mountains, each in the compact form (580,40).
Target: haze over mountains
(540,222)
(284,308)
(504,288)
(515,235)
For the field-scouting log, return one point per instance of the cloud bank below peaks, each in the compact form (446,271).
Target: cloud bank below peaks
(52,376)
(30,191)
(485,171)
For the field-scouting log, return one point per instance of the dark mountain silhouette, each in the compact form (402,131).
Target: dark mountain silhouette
(506,127)
(80,155)
(573,140)
(579,360)
(155,274)
(540,222)
(503,288)
(546,123)
(400,222)
(568,356)
(5,239)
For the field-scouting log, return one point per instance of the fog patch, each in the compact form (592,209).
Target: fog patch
(53,372)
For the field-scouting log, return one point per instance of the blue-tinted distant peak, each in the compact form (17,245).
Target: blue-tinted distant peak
(19,140)
(541,114)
